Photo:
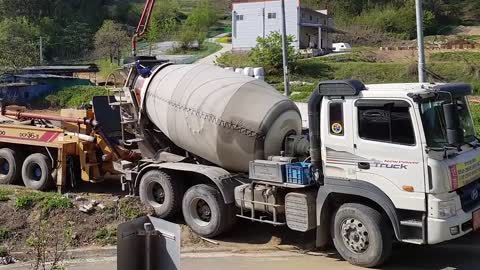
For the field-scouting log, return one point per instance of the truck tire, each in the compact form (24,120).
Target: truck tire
(10,166)
(161,192)
(205,211)
(361,235)
(37,172)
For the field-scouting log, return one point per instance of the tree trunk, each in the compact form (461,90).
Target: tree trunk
(118,57)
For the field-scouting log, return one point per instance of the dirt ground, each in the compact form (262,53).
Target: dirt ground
(98,228)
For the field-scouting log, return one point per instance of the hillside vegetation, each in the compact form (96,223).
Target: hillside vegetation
(380,21)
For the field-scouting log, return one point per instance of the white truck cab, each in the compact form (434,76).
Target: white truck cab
(416,144)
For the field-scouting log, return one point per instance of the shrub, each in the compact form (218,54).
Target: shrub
(106,236)
(4,234)
(48,242)
(27,200)
(224,40)
(129,209)
(186,38)
(55,201)
(268,53)
(71,97)
(4,195)
(47,201)
(3,251)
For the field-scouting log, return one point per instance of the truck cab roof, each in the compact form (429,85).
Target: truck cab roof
(394,90)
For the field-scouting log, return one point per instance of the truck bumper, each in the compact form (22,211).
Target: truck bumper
(441,230)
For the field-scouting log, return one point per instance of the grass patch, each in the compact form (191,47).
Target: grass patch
(53,201)
(28,200)
(47,201)
(106,236)
(71,97)
(475,110)
(455,56)
(5,234)
(3,251)
(235,60)
(4,195)
(129,210)
(106,67)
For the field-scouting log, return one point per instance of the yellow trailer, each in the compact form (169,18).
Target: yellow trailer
(46,155)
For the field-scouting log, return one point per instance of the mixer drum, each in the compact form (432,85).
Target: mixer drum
(226,118)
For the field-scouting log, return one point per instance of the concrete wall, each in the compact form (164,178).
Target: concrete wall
(255,24)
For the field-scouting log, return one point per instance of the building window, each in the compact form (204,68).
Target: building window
(239,17)
(272,15)
(336,119)
(385,121)
(311,18)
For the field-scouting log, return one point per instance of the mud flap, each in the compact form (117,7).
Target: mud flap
(148,243)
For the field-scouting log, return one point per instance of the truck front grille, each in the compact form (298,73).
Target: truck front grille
(470,196)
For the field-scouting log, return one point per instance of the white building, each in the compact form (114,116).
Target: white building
(258,18)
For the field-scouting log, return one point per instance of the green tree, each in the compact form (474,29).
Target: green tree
(195,29)
(164,22)
(110,40)
(18,44)
(268,53)
(202,17)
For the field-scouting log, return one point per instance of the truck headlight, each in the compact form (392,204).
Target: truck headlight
(447,209)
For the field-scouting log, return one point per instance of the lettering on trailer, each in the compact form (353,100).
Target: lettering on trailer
(30,135)
(462,174)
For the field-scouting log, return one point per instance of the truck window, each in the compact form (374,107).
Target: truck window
(386,122)
(336,119)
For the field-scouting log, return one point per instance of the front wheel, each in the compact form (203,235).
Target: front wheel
(361,235)
(162,192)
(205,211)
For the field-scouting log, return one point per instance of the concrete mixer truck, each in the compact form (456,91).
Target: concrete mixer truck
(377,164)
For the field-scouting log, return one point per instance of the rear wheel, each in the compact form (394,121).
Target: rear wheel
(161,192)
(205,211)
(37,172)
(361,235)
(10,166)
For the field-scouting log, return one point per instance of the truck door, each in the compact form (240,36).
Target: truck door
(389,151)
(337,135)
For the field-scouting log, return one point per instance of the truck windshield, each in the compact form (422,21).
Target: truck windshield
(434,125)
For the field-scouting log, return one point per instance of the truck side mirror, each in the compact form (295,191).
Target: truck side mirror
(455,134)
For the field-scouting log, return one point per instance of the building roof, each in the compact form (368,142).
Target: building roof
(62,68)
(43,76)
(16,84)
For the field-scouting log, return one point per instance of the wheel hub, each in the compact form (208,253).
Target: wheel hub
(35,172)
(204,211)
(4,167)
(355,235)
(158,193)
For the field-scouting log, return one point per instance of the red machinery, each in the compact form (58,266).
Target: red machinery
(143,24)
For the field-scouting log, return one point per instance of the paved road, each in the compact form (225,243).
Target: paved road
(213,57)
(463,254)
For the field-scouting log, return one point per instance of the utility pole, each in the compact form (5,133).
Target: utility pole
(41,51)
(421,43)
(285,51)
